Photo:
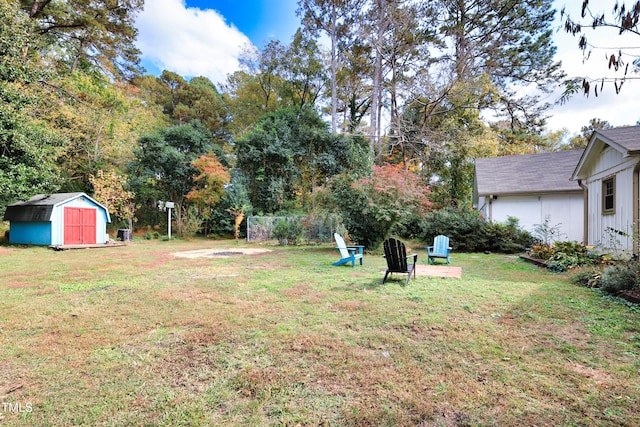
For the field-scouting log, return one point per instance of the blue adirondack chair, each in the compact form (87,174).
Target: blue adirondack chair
(440,249)
(348,253)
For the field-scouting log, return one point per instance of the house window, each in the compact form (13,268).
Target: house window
(608,195)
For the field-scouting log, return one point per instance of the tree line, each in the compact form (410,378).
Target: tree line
(398,98)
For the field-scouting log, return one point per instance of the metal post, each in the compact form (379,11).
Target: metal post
(169,206)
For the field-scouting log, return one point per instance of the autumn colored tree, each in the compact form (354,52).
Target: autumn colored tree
(163,168)
(209,184)
(100,121)
(109,189)
(371,206)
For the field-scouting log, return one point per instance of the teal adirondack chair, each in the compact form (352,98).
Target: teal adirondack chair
(348,253)
(440,249)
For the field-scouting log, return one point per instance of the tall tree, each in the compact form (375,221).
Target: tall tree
(29,147)
(163,168)
(185,101)
(581,141)
(379,17)
(101,122)
(335,18)
(511,42)
(354,93)
(98,33)
(303,70)
(407,57)
(256,89)
(291,152)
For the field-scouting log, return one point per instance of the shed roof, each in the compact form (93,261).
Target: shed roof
(39,207)
(624,139)
(528,173)
(627,137)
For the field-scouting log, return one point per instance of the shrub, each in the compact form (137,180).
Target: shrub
(468,232)
(190,222)
(563,256)
(589,278)
(371,206)
(620,277)
(288,231)
(542,251)
(547,233)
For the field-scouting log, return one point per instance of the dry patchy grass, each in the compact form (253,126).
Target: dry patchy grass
(137,336)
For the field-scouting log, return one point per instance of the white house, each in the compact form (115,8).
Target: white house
(531,188)
(608,171)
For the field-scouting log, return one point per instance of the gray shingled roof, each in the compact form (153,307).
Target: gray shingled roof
(38,208)
(624,139)
(627,137)
(529,173)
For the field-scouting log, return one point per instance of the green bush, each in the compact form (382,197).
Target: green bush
(288,231)
(468,232)
(624,276)
(563,256)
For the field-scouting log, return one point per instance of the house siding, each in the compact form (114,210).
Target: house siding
(563,209)
(604,229)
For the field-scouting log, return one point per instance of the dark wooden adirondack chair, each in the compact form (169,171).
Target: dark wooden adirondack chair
(397,260)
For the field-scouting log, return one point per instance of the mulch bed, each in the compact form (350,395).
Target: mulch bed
(631,296)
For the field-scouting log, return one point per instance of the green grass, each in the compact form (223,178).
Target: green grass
(136,336)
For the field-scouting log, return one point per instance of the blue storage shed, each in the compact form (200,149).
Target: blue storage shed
(58,220)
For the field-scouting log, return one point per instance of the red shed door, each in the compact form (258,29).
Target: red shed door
(79,226)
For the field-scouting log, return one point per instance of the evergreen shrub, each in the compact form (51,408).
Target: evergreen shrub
(468,232)
(623,276)
(288,231)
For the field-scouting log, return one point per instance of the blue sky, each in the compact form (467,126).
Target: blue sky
(260,20)
(205,38)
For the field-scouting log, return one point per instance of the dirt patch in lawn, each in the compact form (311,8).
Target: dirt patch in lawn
(220,253)
(439,271)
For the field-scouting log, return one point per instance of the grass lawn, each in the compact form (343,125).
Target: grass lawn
(136,336)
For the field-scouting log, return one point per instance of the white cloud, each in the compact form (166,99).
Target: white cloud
(189,41)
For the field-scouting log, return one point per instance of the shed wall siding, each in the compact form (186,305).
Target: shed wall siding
(564,210)
(607,164)
(622,219)
(57,220)
(30,233)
